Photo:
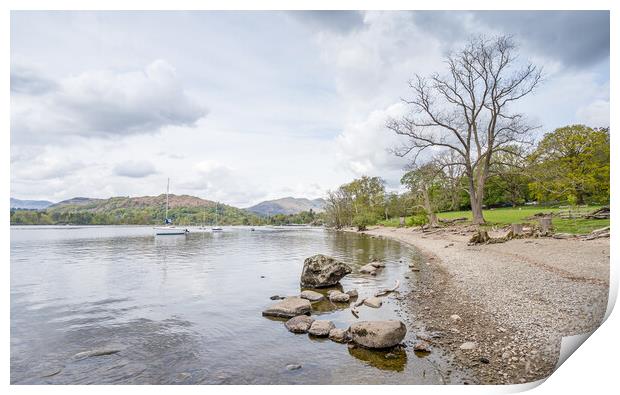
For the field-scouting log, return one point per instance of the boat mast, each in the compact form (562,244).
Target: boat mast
(167,191)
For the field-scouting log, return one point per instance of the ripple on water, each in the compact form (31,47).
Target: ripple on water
(187,310)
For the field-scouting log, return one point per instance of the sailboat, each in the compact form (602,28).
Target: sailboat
(168,228)
(216,228)
(202,227)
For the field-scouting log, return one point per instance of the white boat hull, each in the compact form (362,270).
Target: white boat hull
(170,230)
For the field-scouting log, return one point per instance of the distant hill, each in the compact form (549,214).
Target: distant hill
(143,210)
(126,202)
(287,205)
(30,204)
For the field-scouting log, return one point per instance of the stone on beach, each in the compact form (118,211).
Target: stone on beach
(373,302)
(288,308)
(468,346)
(312,296)
(299,324)
(378,334)
(421,346)
(321,328)
(323,271)
(339,335)
(339,297)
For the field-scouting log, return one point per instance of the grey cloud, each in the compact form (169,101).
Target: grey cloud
(105,104)
(575,38)
(333,20)
(134,169)
(30,82)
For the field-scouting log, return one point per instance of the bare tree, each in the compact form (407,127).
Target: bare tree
(467,111)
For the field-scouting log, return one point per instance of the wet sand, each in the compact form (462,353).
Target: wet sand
(514,300)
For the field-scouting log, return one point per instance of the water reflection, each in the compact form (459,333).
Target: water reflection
(188,309)
(393,359)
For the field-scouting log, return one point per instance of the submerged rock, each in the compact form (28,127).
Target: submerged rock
(368,269)
(299,324)
(293,366)
(377,264)
(421,346)
(312,296)
(373,302)
(352,293)
(323,271)
(96,353)
(339,297)
(288,308)
(321,328)
(378,334)
(340,335)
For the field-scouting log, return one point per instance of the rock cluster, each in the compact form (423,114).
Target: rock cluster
(323,271)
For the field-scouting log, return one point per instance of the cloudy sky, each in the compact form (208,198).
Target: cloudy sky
(240,107)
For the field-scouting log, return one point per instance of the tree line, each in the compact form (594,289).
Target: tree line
(468,147)
(568,166)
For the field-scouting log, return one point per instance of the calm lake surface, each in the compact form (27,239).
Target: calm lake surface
(187,309)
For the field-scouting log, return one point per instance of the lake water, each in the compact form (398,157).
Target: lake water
(187,309)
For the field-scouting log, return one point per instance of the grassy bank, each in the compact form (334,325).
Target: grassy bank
(510,215)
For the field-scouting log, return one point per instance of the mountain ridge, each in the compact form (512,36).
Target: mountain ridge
(30,204)
(287,205)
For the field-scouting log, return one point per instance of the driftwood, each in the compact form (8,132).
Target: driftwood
(357,304)
(601,213)
(451,221)
(388,290)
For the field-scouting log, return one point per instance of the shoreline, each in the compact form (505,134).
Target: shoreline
(514,300)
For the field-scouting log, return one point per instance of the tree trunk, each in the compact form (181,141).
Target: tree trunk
(475,200)
(432,217)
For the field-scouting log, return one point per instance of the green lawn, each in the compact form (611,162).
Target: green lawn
(511,215)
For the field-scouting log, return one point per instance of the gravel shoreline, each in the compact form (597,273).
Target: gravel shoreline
(514,300)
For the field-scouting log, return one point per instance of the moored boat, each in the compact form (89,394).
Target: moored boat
(168,228)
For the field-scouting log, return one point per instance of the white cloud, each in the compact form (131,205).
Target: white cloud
(102,104)
(365,146)
(595,114)
(297,105)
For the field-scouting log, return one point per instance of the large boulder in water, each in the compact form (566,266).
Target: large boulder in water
(311,296)
(378,334)
(323,271)
(299,324)
(289,308)
(321,328)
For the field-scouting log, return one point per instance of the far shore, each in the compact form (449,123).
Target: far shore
(514,300)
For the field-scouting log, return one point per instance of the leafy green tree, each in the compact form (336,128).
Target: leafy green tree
(572,164)
(425,183)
